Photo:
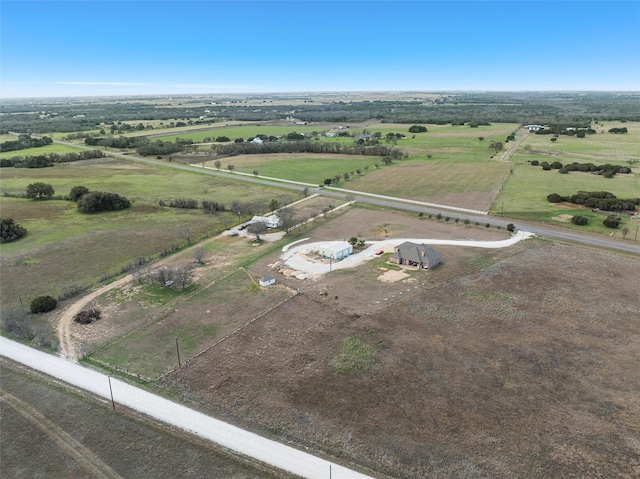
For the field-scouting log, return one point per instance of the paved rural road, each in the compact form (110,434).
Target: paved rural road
(397,203)
(231,437)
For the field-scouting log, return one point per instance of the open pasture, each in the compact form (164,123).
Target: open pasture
(454,183)
(308,168)
(64,247)
(599,148)
(42,150)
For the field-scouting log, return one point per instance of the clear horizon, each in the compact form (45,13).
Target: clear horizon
(153,48)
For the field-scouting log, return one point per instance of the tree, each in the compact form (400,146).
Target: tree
(288,218)
(328,181)
(511,227)
(257,228)
(624,231)
(579,220)
(274,205)
(97,201)
(612,221)
(198,254)
(417,129)
(353,241)
(183,275)
(231,167)
(77,192)
(39,190)
(217,164)
(498,146)
(255,172)
(10,231)
(43,304)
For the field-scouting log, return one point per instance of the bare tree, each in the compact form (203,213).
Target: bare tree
(162,275)
(183,275)
(288,218)
(186,234)
(198,254)
(625,231)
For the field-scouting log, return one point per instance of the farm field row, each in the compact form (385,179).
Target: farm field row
(42,150)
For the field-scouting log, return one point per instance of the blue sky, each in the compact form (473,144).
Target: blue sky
(117,47)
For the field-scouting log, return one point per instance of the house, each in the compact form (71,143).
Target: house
(272,221)
(257,140)
(418,255)
(534,127)
(267,281)
(336,250)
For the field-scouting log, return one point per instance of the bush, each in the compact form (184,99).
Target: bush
(87,316)
(554,198)
(37,191)
(77,192)
(43,304)
(10,231)
(97,201)
(579,220)
(535,162)
(417,129)
(511,227)
(612,221)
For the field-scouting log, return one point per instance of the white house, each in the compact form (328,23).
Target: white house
(272,221)
(336,250)
(267,281)
(257,140)
(534,127)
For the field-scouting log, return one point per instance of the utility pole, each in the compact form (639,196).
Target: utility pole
(113,404)
(178,350)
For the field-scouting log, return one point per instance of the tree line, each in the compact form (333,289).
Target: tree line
(23,142)
(44,161)
(607,170)
(601,200)
(306,146)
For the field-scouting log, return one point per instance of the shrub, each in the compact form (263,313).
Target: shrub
(97,201)
(10,231)
(77,192)
(87,316)
(554,198)
(417,129)
(511,227)
(579,220)
(612,221)
(535,162)
(43,304)
(39,191)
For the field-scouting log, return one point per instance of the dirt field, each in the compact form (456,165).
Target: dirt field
(51,432)
(501,363)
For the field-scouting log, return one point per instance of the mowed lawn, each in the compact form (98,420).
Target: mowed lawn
(64,248)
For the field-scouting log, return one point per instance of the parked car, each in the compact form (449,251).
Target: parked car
(379,252)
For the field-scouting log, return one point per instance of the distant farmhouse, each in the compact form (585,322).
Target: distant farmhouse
(534,127)
(418,255)
(272,221)
(336,250)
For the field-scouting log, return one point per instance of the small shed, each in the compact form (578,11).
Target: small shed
(336,249)
(267,281)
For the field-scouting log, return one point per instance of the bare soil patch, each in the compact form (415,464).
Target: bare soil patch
(522,363)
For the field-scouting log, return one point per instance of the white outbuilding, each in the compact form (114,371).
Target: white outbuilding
(267,281)
(336,249)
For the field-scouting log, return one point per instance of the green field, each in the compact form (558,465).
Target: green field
(42,150)
(64,247)
(525,192)
(244,132)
